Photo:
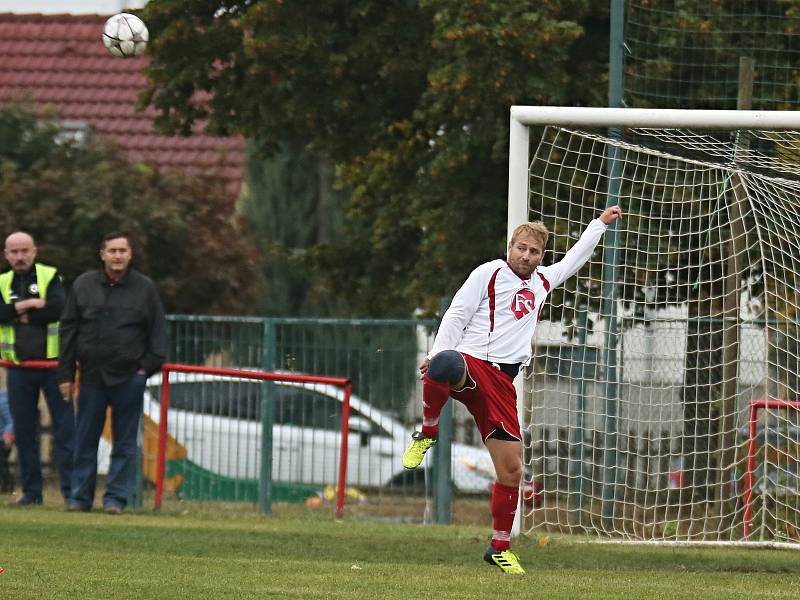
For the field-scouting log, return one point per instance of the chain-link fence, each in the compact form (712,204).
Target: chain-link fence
(214,445)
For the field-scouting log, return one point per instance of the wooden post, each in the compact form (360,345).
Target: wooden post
(737,249)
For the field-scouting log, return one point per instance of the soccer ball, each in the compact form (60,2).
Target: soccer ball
(125,35)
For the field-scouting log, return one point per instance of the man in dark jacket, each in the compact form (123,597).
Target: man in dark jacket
(32,300)
(114,330)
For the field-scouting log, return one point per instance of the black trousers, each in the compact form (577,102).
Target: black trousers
(6,473)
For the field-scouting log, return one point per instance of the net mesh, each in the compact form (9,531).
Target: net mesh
(637,400)
(686,53)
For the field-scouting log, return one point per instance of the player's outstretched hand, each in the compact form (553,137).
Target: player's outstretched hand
(611,214)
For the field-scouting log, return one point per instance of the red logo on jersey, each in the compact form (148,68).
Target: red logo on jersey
(523,303)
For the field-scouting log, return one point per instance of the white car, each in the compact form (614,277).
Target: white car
(217,420)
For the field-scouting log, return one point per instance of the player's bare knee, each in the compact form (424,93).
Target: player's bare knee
(510,476)
(447,366)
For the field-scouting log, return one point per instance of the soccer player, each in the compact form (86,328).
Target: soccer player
(483,340)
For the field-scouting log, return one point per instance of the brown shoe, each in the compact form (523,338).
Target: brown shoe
(113,509)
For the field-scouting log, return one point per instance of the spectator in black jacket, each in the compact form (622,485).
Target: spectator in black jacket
(113,330)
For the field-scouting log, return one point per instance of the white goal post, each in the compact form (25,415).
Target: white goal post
(650,364)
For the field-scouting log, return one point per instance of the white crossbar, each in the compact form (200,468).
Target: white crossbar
(571,116)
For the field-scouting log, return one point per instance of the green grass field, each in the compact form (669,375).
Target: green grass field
(299,552)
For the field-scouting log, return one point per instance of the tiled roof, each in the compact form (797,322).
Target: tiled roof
(60,61)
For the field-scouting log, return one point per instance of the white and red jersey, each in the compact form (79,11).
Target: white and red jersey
(493,316)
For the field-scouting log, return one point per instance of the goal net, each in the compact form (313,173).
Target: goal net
(636,406)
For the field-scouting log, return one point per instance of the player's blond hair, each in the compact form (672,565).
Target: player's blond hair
(536,229)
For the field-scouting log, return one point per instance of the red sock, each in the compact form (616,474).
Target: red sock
(504,507)
(434,397)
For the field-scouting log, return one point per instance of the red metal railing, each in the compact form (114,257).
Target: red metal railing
(29,364)
(168,368)
(755,406)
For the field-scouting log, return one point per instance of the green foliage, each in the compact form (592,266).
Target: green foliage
(685,53)
(32,139)
(291,207)
(408,100)
(68,194)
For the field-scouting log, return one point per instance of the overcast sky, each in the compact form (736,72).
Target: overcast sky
(76,7)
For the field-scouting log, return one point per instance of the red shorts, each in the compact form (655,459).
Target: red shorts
(490,397)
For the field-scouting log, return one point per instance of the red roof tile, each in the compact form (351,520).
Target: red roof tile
(60,61)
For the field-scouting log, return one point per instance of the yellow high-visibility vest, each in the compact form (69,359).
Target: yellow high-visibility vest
(44,275)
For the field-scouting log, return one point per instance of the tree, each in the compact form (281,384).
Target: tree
(694,61)
(291,207)
(69,194)
(408,100)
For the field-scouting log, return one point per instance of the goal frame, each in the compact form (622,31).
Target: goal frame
(523,117)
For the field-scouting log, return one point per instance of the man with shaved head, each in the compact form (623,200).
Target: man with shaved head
(32,300)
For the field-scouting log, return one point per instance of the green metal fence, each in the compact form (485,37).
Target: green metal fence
(379,356)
